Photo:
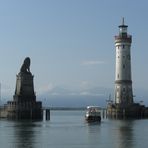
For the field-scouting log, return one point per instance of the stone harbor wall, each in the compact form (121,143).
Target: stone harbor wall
(134,110)
(3,112)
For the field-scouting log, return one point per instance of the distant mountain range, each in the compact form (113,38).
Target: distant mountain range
(61,97)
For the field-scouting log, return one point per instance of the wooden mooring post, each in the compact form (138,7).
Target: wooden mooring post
(104,113)
(47,114)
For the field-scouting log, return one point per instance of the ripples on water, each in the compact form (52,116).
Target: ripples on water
(68,129)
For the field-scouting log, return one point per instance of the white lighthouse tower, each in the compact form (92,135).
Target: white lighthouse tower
(123,80)
(124,106)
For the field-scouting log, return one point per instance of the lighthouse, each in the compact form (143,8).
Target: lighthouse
(124,106)
(123,76)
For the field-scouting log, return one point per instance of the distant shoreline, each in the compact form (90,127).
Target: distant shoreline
(66,108)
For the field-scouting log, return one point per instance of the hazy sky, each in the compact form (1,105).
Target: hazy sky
(70,42)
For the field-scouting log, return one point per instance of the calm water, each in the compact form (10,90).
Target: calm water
(68,129)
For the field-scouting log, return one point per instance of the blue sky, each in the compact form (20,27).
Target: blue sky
(71,45)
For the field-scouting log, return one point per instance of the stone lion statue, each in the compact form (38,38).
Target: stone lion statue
(26,66)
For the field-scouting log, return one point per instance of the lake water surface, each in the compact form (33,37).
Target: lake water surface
(68,129)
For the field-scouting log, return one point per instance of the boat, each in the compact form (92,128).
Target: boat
(93,114)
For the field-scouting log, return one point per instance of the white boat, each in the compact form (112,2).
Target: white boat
(93,114)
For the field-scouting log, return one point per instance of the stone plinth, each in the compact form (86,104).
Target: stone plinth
(24,110)
(24,87)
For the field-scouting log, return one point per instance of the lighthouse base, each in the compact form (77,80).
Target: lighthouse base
(120,111)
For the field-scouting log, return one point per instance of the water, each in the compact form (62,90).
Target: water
(68,129)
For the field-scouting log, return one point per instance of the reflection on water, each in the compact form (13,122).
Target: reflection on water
(93,133)
(68,129)
(24,134)
(125,134)
(114,133)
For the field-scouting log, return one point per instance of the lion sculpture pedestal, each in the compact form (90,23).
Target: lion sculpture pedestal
(24,104)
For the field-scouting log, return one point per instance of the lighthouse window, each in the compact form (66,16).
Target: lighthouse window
(123,65)
(123,46)
(118,75)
